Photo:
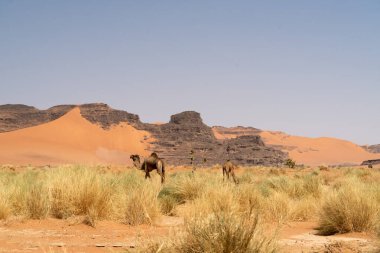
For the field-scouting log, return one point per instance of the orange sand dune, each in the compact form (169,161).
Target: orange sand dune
(72,139)
(304,150)
(318,151)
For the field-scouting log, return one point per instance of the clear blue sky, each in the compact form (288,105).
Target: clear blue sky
(309,68)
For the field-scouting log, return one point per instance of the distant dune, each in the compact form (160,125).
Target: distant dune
(98,134)
(318,151)
(72,139)
(305,150)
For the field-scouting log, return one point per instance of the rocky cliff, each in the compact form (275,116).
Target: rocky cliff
(13,117)
(186,131)
(373,148)
(173,141)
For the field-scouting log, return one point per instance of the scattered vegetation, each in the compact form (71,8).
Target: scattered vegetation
(219,216)
(290,163)
(351,208)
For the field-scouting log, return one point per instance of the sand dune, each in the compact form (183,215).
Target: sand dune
(318,151)
(312,151)
(72,139)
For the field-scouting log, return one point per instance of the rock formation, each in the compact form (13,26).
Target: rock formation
(371,162)
(373,148)
(173,141)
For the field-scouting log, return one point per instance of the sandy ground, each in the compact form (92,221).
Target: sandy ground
(53,235)
(73,139)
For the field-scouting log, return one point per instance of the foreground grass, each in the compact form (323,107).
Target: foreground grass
(341,200)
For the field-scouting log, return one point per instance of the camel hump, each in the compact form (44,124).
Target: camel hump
(154,154)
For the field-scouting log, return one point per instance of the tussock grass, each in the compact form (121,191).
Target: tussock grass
(5,208)
(142,206)
(342,199)
(353,207)
(37,201)
(225,232)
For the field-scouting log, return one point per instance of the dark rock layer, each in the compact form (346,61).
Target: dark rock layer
(371,162)
(373,148)
(174,140)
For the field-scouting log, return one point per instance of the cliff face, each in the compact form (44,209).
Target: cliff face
(14,117)
(221,132)
(186,131)
(173,141)
(373,148)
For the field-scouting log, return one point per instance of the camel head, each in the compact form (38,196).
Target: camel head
(136,160)
(154,154)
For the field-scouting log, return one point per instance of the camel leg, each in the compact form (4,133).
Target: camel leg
(146,171)
(224,173)
(233,176)
(161,172)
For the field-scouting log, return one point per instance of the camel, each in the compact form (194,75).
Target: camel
(229,168)
(149,164)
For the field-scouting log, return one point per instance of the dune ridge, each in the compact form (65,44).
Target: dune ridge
(306,150)
(319,151)
(73,139)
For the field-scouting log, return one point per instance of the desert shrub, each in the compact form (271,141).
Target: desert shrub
(276,207)
(184,188)
(304,210)
(213,199)
(351,208)
(296,188)
(142,206)
(37,202)
(247,177)
(167,204)
(225,232)
(312,185)
(290,163)
(249,198)
(80,191)
(19,191)
(5,207)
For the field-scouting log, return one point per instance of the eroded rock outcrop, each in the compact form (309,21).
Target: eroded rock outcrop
(373,148)
(173,141)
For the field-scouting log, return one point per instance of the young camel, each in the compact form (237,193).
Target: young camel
(229,168)
(149,164)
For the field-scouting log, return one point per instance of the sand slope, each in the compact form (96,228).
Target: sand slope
(309,151)
(318,151)
(72,139)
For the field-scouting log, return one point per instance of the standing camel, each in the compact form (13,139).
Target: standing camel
(229,168)
(149,164)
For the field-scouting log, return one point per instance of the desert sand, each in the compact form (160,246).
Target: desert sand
(319,151)
(53,235)
(310,151)
(72,139)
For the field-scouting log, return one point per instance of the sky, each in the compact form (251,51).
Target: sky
(308,68)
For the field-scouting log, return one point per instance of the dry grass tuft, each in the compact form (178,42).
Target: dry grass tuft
(351,208)
(225,232)
(142,206)
(5,208)
(37,202)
